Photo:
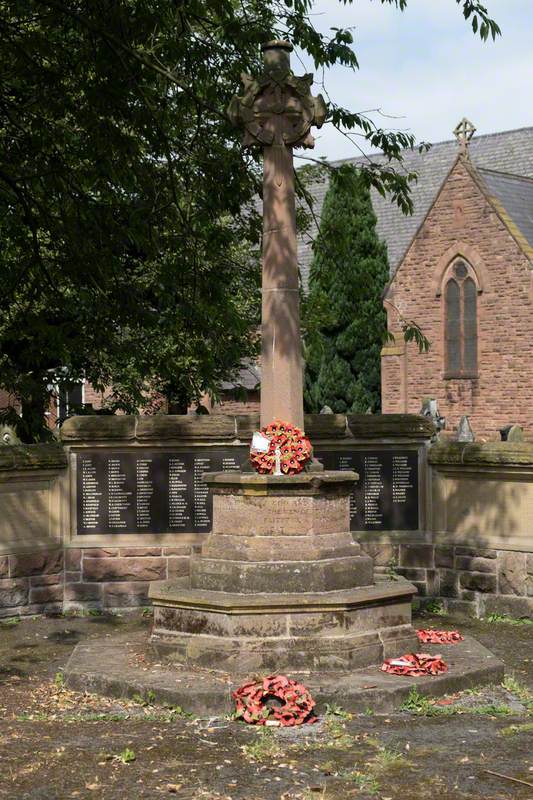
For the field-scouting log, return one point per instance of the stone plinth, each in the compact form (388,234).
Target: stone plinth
(281,584)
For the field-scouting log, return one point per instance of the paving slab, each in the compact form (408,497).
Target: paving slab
(126,666)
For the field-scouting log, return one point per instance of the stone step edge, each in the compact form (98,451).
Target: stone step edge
(284,562)
(166,593)
(340,637)
(385,696)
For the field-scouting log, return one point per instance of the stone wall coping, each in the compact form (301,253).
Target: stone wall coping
(253,483)
(482,453)
(380,426)
(226,428)
(48,455)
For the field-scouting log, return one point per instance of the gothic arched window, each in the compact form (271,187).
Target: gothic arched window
(460,322)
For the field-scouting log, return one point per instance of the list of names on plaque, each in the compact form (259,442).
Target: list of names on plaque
(345,463)
(373,488)
(90,509)
(179,517)
(401,478)
(161,491)
(118,496)
(202,517)
(147,491)
(385,498)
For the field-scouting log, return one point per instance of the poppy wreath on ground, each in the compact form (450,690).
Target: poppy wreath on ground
(295,449)
(275,700)
(431,636)
(415,665)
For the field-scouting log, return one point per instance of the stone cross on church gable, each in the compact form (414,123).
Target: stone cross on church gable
(277,111)
(463,132)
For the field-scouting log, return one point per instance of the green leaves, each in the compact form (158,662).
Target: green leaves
(127,216)
(344,318)
(480,19)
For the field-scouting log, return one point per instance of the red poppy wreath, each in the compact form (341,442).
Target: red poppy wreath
(295,449)
(254,702)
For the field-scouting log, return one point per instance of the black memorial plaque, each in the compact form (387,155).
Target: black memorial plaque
(147,491)
(150,491)
(385,498)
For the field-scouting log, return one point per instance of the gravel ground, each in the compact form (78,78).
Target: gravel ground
(56,743)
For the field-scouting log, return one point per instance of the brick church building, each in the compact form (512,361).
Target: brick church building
(467,279)
(462,269)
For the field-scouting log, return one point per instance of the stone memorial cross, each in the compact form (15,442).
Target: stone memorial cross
(277,111)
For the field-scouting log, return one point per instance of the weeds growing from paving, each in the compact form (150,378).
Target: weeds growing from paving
(508,620)
(435,607)
(416,703)
(264,748)
(524,694)
(513,730)
(9,622)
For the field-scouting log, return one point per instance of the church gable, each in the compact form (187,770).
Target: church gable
(465,280)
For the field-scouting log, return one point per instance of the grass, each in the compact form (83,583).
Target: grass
(9,622)
(416,703)
(59,680)
(264,748)
(365,782)
(93,716)
(524,694)
(144,700)
(386,760)
(334,710)
(512,730)
(498,618)
(126,757)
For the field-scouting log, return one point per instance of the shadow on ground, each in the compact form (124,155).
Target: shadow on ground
(60,744)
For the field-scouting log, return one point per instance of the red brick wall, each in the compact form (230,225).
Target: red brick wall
(7,400)
(229,405)
(463,222)
(119,577)
(31,583)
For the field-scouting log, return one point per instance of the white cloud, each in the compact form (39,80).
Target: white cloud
(426,66)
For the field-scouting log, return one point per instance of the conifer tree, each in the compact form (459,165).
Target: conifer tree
(345,318)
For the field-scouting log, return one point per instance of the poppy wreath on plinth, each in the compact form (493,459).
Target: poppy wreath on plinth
(430,636)
(293,702)
(415,665)
(295,449)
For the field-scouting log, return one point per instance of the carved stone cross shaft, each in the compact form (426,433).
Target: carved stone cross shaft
(277,111)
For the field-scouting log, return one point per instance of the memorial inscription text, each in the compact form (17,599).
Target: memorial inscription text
(155,491)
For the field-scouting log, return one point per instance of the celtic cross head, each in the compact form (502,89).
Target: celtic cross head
(277,108)
(463,132)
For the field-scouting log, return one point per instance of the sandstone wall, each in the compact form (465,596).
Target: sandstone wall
(31,529)
(473,549)
(477,555)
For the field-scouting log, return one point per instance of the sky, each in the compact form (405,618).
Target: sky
(424,69)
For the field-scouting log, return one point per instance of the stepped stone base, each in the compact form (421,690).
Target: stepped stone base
(112,667)
(327,631)
(281,584)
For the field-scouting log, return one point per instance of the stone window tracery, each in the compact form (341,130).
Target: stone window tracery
(460,292)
